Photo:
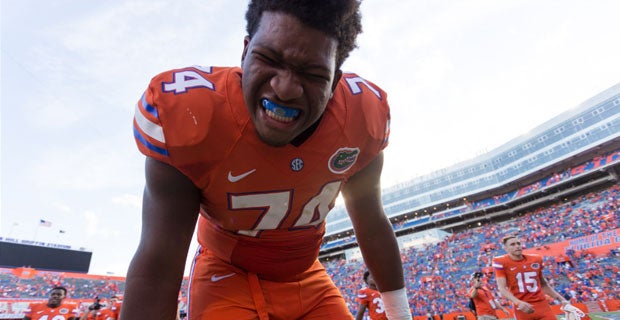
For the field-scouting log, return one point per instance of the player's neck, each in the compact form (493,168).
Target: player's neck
(516,257)
(302,137)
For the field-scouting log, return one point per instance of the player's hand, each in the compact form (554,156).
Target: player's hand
(525,307)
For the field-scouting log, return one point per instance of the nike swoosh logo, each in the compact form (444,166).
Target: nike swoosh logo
(216,278)
(513,268)
(232,178)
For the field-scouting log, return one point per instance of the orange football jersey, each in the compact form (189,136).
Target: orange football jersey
(103,314)
(373,302)
(263,207)
(484,301)
(523,277)
(40,311)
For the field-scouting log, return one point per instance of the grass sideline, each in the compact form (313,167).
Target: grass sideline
(600,316)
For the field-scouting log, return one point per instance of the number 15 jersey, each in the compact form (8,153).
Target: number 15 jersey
(523,277)
(263,207)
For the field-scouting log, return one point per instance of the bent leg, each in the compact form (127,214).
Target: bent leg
(219,291)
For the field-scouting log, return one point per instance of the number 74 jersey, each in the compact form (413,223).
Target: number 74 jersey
(523,277)
(263,207)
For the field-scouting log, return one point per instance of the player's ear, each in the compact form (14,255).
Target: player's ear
(246,44)
(337,76)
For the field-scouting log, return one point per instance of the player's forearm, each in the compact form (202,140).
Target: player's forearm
(152,287)
(380,250)
(499,305)
(382,256)
(508,295)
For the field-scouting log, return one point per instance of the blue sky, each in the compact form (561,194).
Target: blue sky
(462,76)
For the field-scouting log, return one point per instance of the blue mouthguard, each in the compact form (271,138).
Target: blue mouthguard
(279,109)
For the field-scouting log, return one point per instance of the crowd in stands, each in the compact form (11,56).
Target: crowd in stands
(437,274)
(38,287)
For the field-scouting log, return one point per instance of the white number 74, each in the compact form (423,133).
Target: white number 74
(277,205)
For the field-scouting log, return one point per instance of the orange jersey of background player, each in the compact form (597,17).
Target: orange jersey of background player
(40,311)
(373,302)
(523,277)
(103,314)
(484,301)
(247,185)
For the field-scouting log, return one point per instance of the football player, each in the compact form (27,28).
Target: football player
(257,156)
(519,279)
(54,308)
(369,298)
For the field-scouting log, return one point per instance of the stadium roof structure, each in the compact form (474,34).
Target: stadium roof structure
(588,130)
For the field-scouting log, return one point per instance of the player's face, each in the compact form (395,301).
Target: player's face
(477,282)
(56,297)
(514,247)
(289,72)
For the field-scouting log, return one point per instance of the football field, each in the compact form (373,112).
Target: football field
(600,316)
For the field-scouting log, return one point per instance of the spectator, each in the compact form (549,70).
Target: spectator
(483,299)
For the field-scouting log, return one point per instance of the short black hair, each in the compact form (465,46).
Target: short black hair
(476,275)
(339,19)
(60,288)
(366,274)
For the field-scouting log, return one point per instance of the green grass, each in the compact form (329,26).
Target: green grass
(600,316)
(605,315)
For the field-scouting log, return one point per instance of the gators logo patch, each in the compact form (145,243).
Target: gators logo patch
(535,266)
(342,160)
(63,311)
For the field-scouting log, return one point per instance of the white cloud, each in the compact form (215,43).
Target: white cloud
(88,165)
(62,207)
(130,200)
(92,226)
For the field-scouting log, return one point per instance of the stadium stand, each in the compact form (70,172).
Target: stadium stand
(435,274)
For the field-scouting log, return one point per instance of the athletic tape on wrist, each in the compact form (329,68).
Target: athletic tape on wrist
(396,304)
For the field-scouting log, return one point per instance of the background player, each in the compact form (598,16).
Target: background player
(519,278)
(260,154)
(98,311)
(483,299)
(369,298)
(54,308)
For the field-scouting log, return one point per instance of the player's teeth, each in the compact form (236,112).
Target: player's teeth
(279,112)
(277,117)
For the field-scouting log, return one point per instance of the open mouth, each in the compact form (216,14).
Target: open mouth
(279,112)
